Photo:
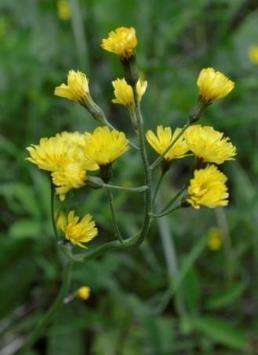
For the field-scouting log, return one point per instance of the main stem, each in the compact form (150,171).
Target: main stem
(147,171)
(51,311)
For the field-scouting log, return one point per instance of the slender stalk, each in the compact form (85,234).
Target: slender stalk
(166,212)
(52,209)
(174,198)
(114,219)
(43,323)
(147,171)
(155,194)
(99,182)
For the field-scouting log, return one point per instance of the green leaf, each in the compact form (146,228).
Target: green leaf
(25,228)
(221,332)
(227,297)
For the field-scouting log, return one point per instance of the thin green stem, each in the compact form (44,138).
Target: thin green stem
(147,171)
(166,212)
(156,191)
(113,213)
(174,198)
(43,323)
(52,209)
(95,181)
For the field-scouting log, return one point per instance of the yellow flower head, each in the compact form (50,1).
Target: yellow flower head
(104,145)
(208,144)
(77,88)
(121,41)
(50,154)
(208,188)
(253,54)
(213,85)
(63,10)
(214,239)
(83,293)
(77,232)
(164,138)
(124,92)
(71,176)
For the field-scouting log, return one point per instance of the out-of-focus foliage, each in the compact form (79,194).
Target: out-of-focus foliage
(173,295)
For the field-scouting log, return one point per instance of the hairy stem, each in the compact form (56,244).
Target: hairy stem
(52,209)
(114,219)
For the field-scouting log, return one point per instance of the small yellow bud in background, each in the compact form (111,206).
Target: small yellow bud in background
(253,54)
(63,10)
(83,293)
(213,85)
(124,92)
(77,88)
(121,41)
(215,239)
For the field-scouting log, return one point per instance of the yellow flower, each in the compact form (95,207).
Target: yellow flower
(77,232)
(104,145)
(51,153)
(213,85)
(83,293)
(208,188)
(63,10)
(77,88)
(214,239)
(253,54)
(164,138)
(71,176)
(208,144)
(121,41)
(124,92)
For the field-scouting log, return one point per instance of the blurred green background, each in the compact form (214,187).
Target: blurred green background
(176,294)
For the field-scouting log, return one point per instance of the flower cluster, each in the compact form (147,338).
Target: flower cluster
(70,157)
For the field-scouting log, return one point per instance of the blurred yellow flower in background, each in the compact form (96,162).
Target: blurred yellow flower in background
(121,41)
(213,85)
(76,231)
(253,54)
(103,145)
(76,89)
(208,144)
(215,240)
(163,138)
(63,10)
(208,188)
(124,92)
(83,293)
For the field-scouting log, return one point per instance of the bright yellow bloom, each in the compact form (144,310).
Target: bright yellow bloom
(214,239)
(124,92)
(121,41)
(83,293)
(77,232)
(105,145)
(208,188)
(71,176)
(213,85)
(208,144)
(51,153)
(164,138)
(253,54)
(63,10)
(77,88)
